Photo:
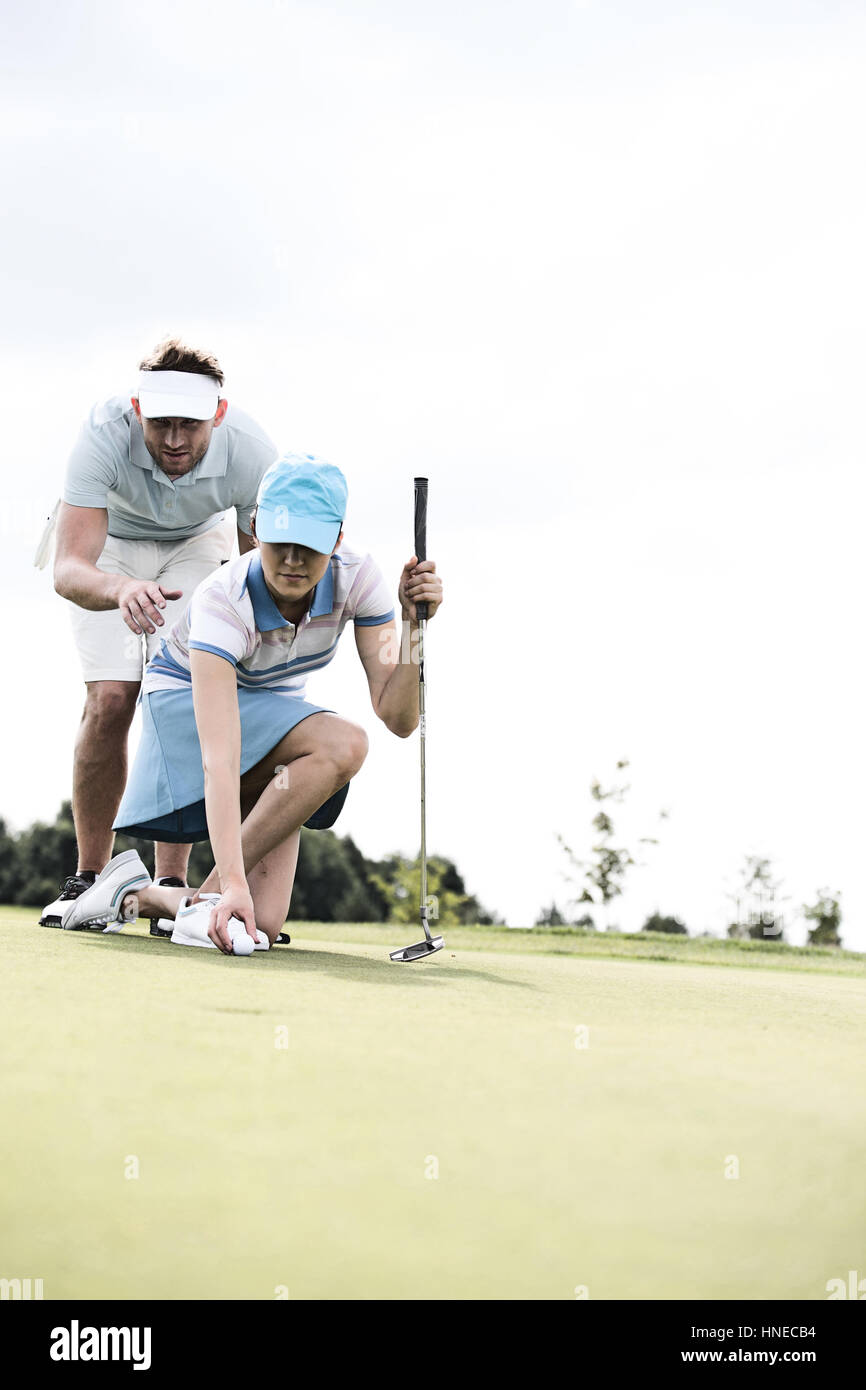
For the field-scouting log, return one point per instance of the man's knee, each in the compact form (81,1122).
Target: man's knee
(110,705)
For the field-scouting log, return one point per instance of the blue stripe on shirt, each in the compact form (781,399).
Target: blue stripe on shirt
(217,651)
(321,658)
(374,622)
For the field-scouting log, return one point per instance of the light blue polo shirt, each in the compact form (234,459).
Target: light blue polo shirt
(111,468)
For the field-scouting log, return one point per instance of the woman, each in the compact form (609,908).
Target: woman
(230,747)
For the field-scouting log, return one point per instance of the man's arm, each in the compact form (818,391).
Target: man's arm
(391,665)
(245,542)
(80,539)
(81,533)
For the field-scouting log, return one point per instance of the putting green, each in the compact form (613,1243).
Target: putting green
(428,1131)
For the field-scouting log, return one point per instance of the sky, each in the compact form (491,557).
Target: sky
(596,270)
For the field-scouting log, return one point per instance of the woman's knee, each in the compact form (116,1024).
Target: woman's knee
(352,749)
(269,925)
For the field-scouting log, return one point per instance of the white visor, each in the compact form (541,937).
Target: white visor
(182,395)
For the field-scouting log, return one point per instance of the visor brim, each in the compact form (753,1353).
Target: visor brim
(278,526)
(155,406)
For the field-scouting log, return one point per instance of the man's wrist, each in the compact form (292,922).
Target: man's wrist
(113,587)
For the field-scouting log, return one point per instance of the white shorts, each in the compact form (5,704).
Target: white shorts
(109,650)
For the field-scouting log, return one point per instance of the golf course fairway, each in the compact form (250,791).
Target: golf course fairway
(535,1122)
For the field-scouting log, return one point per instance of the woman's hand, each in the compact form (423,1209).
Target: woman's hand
(236,902)
(419,583)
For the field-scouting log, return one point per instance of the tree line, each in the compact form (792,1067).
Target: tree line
(757,904)
(335,882)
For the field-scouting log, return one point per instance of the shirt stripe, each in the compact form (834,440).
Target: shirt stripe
(221,618)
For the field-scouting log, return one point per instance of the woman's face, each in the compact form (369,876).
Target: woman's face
(291,571)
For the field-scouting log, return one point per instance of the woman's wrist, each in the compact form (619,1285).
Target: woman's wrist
(233,880)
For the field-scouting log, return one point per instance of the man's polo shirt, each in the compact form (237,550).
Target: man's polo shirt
(110,467)
(233,615)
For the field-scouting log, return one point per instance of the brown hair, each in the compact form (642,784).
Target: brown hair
(173,355)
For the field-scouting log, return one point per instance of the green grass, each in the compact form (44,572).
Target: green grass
(577,941)
(263,1166)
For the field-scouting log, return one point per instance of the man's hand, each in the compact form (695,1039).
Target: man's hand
(236,902)
(140,601)
(419,583)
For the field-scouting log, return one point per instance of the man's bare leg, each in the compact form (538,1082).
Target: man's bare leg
(172,861)
(99,768)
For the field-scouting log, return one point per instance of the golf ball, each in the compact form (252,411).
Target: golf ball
(242,942)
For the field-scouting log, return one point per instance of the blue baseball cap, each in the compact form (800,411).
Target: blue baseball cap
(302,499)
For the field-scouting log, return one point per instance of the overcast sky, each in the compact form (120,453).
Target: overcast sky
(597,270)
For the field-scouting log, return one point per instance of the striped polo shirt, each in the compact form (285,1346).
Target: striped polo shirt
(233,615)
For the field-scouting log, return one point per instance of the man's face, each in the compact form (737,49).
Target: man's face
(177,444)
(292,571)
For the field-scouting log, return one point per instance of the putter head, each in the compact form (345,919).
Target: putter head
(419,950)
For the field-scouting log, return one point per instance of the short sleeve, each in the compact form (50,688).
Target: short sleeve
(369,602)
(91,472)
(252,453)
(215,625)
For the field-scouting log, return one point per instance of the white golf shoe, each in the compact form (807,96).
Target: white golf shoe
(192,922)
(75,885)
(112,901)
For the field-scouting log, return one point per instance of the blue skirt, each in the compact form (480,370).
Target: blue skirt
(164,797)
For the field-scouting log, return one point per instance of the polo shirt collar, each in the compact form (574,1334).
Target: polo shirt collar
(323,595)
(213,465)
(267,614)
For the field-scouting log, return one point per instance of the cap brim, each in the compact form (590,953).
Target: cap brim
(155,405)
(281,527)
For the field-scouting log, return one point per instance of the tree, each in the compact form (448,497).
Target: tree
(334,881)
(826,913)
(673,925)
(551,917)
(756,902)
(8,865)
(399,880)
(45,855)
(603,875)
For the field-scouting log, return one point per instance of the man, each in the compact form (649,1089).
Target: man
(139,527)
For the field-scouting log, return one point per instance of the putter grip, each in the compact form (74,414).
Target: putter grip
(421,532)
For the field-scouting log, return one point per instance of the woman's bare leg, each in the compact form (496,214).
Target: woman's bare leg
(313,761)
(160,902)
(271,883)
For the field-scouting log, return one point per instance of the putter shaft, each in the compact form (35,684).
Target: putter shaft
(422,722)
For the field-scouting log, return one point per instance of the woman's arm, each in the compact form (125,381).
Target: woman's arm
(391,663)
(215,700)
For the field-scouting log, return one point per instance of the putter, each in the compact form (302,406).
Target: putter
(430,943)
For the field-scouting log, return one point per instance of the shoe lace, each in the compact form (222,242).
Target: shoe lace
(74,886)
